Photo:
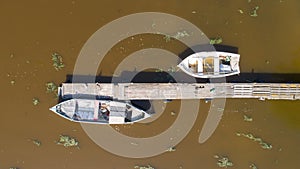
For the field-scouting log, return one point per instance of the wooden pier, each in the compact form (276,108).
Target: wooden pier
(160,91)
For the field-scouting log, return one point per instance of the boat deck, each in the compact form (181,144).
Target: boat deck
(160,91)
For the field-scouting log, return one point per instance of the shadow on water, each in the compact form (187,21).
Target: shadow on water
(141,104)
(165,77)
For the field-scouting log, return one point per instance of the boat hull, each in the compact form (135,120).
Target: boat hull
(99,111)
(211,64)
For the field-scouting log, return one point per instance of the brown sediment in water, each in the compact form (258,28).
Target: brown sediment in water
(31,31)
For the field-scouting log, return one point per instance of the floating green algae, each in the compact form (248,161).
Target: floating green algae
(248,118)
(57,61)
(178,35)
(262,143)
(36,142)
(171,149)
(253,13)
(223,161)
(253,166)
(67,141)
(167,38)
(51,87)
(173,69)
(216,40)
(35,101)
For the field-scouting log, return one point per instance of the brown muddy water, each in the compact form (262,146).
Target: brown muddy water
(32,30)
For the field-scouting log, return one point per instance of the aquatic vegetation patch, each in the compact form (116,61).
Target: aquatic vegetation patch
(144,167)
(36,142)
(253,166)
(173,69)
(223,161)
(253,13)
(171,149)
(178,35)
(159,70)
(262,143)
(216,40)
(12,82)
(51,87)
(67,141)
(248,118)
(57,61)
(167,38)
(35,101)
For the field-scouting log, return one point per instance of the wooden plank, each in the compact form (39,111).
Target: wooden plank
(98,89)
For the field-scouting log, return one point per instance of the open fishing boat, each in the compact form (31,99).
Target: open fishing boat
(211,64)
(99,111)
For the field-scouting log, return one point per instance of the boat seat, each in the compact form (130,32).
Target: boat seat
(200,65)
(116,120)
(85,115)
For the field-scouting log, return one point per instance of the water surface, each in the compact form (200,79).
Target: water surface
(31,31)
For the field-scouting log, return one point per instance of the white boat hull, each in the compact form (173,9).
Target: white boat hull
(99,111)
(211,64)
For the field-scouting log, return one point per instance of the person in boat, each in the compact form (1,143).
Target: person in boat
(225,60)
(104,112)
(225,64)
